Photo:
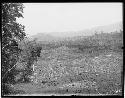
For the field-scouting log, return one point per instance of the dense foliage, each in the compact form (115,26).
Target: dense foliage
(18,53)
(30,51)
(12,33)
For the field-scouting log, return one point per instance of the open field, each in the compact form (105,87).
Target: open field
(77,68)
(70,73)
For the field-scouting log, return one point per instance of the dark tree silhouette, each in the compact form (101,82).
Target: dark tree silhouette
(12,32)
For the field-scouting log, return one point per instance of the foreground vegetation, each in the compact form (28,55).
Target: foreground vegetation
(81,68)
(12,35)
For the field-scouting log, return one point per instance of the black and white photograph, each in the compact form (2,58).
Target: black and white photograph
(62,49)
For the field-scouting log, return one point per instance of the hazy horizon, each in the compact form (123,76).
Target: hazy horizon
(67,17)
(74,33)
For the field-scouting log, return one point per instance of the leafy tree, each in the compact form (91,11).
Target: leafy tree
(12,33)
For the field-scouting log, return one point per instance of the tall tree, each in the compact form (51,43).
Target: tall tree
(12,32)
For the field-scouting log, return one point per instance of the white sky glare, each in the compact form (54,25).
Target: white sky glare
(63,17)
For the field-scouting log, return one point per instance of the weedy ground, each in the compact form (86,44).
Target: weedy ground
(61,71)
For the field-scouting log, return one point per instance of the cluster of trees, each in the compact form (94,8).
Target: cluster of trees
(13,34)
(99,42)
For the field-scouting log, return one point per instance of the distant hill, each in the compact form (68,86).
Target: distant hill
(90,31)
(44,37)
(106,28)
(57,36)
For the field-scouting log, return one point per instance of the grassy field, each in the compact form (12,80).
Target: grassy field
(78,68)
(60,72)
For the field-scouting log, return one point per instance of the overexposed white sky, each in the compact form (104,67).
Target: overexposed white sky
(64,17)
